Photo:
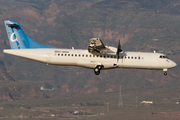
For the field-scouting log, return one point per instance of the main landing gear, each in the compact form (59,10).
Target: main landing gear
(97,69)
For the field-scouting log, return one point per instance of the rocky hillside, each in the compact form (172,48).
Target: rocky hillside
(16,91)
(3,74)
(139,24)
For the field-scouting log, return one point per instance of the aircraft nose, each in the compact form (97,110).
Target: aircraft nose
(174,64)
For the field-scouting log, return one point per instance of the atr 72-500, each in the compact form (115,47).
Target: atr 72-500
(97,56)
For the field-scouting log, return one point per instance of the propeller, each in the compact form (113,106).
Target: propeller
(118,50)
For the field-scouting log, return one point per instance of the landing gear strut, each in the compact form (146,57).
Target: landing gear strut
(97,69)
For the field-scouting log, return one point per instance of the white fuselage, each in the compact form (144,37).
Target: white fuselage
(83,58)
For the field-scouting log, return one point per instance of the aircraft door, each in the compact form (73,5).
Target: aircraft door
(120,60)
(48,57)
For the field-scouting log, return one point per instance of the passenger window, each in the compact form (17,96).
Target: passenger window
(125,57)
(100,55)
(68,54)
(128,57)
(104,56)
(86,55)
(89,55)
(108,56)
(79,55)
(131,57)
(75,55)
(139,58)
(163,56)
(71,54)
(135,57)
(160,56)
(61,54)
(58,54)
(111,56)
(82,55)
(114,56)
(65,55)
(97,55)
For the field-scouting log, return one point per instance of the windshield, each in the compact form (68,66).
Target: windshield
(163,56)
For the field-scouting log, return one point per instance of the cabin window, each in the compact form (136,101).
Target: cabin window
(131,57)
(114,56)
(86,55)
(108,56)
(64,54)
(100,55)
(58,54)
(97,55)
(82,55)
(79,55)
(89,55)
(135,57)
(128,57)
(71,54)
(75,55)
(68,54)
(93,55)
(104,56)
(139,58)
(61,54)
(122,57)
(111,56)
(125,57)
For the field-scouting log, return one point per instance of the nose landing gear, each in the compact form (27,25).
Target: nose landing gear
(165,72)
(97,69)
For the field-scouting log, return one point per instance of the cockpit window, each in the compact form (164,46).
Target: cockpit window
(162,56)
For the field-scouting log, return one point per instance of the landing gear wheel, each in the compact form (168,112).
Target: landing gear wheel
(165,73)
(97,73)
(96,70)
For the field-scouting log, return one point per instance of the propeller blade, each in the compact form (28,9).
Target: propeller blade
(118,50)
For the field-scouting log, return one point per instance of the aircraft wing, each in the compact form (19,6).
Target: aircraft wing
(96,46)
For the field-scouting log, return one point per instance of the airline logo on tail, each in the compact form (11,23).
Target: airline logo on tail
(13,38)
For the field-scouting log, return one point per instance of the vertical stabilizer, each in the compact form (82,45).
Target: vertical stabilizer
(18,39)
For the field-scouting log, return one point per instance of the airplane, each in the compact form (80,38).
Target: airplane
(97,56)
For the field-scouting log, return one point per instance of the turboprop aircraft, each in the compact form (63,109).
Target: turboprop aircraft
(97,56)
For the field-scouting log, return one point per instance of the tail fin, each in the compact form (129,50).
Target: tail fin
(18,39)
